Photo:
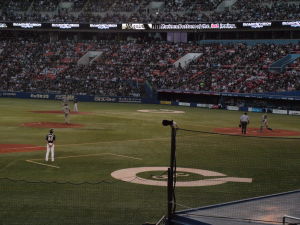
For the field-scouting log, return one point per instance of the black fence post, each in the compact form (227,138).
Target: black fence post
(171,171)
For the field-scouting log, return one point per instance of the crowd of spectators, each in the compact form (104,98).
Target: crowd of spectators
(78,5)
(18,5)
(46,6)
(97,6)
(36,66)
(123,67)
(235,68)
(210,5)
(128,6)
(118,11)
(244,10)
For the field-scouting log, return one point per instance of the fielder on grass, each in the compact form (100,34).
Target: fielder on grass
(50,139)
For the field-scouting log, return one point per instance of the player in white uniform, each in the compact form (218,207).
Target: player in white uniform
(66,110)
(264,123)
(50,139)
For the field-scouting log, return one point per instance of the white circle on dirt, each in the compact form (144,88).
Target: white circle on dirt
(161,111)
(130,175)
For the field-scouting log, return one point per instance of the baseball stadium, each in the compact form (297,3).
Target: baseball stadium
(163,112)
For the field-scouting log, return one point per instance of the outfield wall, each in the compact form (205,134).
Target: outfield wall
(256,102)
(124,99)
(81,98)
(233,108)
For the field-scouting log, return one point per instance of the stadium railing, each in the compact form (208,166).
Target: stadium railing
(292,218)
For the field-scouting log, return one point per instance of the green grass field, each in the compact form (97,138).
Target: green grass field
(80,188)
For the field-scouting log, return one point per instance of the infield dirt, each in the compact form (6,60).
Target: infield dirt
(52,125)
(9,148)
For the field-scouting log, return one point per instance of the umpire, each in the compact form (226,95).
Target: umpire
(244,121)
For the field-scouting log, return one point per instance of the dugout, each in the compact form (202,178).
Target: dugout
(278,101)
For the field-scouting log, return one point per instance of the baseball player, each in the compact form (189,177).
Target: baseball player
(64,100)
(75,104)
(50,139)
(264,123)
(67,111)
(244,121)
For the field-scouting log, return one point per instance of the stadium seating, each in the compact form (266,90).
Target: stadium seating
(118,11)
(244,10)
(123,67)
(46,6)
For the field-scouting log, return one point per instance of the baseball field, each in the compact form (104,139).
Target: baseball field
(110,161)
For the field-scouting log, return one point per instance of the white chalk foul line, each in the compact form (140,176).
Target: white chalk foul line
(89,155)
(125,156)
(116,141)
(43,164)
(80,156)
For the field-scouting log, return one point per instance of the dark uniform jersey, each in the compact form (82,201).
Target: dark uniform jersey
(50,138)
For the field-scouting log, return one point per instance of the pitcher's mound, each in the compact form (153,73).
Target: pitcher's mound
(60,112)
(52,125)
(257,132)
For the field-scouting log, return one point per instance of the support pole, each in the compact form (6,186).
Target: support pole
(171,173)
(173,149)
(170,196)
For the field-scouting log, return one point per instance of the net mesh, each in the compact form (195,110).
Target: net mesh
(211,169)
(104,202)
(226,168)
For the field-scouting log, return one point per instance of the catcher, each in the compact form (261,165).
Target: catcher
(50,139)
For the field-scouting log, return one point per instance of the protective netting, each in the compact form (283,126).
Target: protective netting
(105,202)
(224,168)
(211,169)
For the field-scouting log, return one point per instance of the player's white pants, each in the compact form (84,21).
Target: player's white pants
(67,118)
(50,149)
(264,124)
(75,107)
